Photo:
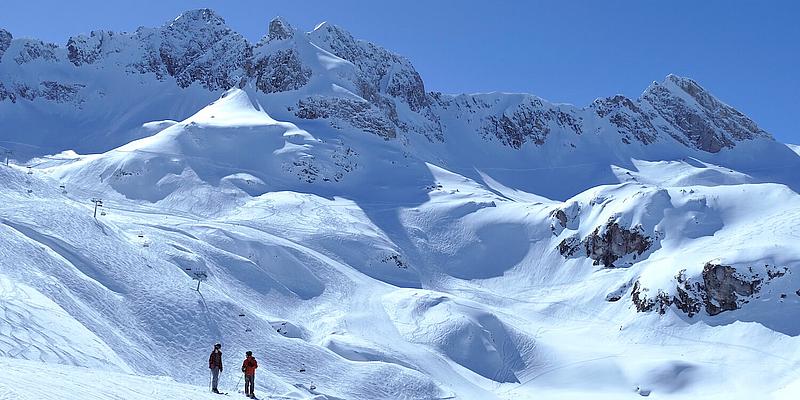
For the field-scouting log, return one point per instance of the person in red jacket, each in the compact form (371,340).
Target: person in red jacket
(249,368)
(215,364)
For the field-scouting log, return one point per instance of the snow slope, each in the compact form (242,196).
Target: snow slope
(370,240)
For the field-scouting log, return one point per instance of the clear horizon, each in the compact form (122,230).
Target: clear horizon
(746,54)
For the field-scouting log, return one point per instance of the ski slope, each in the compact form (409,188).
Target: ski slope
(456,292)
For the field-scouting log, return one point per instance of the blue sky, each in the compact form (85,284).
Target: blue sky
(746,52)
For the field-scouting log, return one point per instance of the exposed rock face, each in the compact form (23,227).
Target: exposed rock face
(33,50)
(58,92)
(87,49)
(359,114)
(530,121)
(631,122)
(724,287)
(49,90)
(569,246)
(720,288)
(388,72)
(384,79)
(199,47)
(643,303)
(280,71)
(561,216)
(605,246)
(699,119)
(5,41)
(279,29)
(276,65)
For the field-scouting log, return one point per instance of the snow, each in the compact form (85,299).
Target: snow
(357,266)
(453,288)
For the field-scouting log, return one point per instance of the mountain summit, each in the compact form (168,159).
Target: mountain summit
(324,74)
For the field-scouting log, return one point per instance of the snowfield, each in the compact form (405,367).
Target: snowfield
(369,240)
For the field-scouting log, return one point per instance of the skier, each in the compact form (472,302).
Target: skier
(215,364)
(249,368)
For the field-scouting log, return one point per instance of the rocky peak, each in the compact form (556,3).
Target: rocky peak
(198,47)
(276,65)
(698,118)
(198,16)
(383,72)
(279,29)
(5,41)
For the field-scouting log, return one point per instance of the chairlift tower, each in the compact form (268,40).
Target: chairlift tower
(199,276)
(97,203)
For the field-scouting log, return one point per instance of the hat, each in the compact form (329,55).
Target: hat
(249,353)
(217,346)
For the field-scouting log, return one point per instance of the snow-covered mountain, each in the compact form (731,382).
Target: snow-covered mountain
(370,239)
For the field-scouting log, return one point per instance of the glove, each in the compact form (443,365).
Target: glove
(220,369)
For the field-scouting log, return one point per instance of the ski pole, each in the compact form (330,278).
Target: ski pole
(240,381)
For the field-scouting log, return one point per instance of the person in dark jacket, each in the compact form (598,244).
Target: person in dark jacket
(249,368)
(215,364)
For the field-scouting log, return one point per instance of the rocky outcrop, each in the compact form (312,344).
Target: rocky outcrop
(628,119)
(280,71)
(720,288)
(50,90)
(359,114)
(570,246)
(530,121)
(660,301)
(33,50)
(84,49)
(59,92)
(725,288)
(279,29)
(5,41)
(606,244)
(609,243)
(276,66)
